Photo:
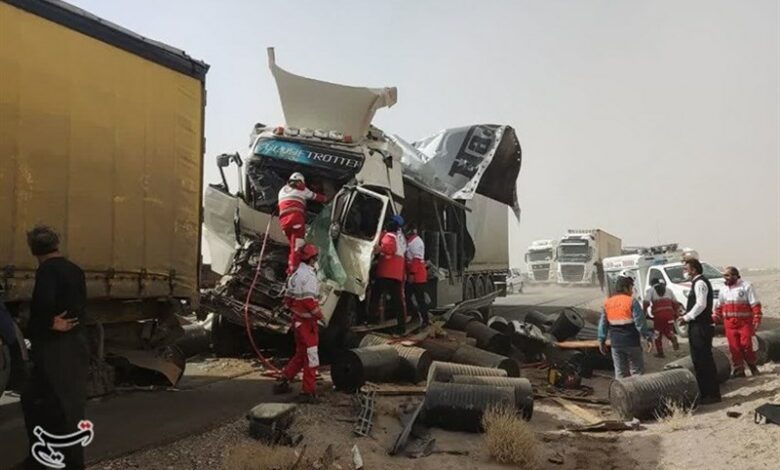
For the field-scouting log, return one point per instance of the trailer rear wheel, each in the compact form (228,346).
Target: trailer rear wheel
(226,338)
(479,286)
(468,288)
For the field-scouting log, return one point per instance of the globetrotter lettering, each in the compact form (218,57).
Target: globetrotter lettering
(335,159)
(296,152)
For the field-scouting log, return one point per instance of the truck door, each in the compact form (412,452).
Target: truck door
(362,213)
(219,214)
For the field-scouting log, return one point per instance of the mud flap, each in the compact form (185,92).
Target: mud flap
(168,361)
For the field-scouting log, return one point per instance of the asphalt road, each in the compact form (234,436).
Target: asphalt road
(131,421)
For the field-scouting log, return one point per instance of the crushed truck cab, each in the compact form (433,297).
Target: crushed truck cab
(367,176)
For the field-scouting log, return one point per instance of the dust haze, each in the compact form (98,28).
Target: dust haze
(655,121)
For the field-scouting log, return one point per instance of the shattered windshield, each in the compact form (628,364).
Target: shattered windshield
(545,255)
(676,274)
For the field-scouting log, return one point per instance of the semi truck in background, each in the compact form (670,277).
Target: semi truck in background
(540,261)
(578,252)
(455,186)
(101,138)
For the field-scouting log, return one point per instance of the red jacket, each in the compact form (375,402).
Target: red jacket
(292,202)
(738,304)
(302,293)
(416,268)
(392,249)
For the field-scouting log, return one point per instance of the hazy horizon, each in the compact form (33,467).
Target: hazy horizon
(655,121)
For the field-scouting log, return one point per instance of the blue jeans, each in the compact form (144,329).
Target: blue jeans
(628,360)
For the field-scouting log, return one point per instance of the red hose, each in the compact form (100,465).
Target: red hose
(260,356)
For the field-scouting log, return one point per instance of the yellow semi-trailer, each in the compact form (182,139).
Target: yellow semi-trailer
(101,138)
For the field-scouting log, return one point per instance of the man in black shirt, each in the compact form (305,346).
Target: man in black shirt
(698,316)
(55,395)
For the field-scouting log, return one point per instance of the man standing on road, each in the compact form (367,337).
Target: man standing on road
(390,271)
(292,214)
(740,311)
(599,265)
(301,298)
(700,332)
(661,306)
(624,322)
(55,396)
(417,274)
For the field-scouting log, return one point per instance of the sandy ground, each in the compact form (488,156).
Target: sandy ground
(708,439)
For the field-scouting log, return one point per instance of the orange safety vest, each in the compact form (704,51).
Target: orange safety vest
(618,310)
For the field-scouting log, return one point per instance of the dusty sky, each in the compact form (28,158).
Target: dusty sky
(656,121)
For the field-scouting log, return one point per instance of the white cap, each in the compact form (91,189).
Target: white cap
(296,177)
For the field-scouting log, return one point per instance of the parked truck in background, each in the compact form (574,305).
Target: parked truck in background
(540,261)
(461,211)
(579,250)
(101,138)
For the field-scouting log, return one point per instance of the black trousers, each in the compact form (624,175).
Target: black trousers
(54,398)
(415,301)
(392,292)
(700,341)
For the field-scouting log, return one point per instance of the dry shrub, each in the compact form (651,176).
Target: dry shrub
(258,456)
(509,439)
(674,414)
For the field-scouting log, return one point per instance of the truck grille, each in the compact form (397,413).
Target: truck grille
(572,273)
(541,274)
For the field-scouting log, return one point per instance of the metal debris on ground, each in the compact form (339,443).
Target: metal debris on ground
(608,426)
(400,441)
(367,400)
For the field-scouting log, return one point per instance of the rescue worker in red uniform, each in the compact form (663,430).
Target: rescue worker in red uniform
(740,312)
(301,298)
(390,271)
(661,306)
(416,274)
(292,214)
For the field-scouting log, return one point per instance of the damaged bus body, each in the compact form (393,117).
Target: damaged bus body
(455,186)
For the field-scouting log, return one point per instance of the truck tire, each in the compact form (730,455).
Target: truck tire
(226,338)
(468,288)
(479,287)
(333,339)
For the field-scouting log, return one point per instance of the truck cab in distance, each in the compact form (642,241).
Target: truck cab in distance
(578,252)
(541,262)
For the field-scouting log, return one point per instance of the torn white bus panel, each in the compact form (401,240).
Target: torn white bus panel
(328,137)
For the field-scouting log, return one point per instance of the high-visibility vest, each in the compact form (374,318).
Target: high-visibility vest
(619,310)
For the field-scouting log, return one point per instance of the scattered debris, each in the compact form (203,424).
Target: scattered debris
(578,411)
(269,422)
(766,414)
(557,459)
(400,442)
(365,421)
(733,414)
(609,425)
(357,459)
(646,396)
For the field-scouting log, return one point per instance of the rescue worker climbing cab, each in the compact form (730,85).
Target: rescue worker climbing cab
(456,187)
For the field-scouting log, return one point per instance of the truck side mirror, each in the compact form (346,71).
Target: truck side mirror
(223,160)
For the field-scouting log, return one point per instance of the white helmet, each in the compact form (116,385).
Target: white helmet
(296,177)
(628,274)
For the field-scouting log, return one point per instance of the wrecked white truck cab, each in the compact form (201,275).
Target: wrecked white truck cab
(368,176)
